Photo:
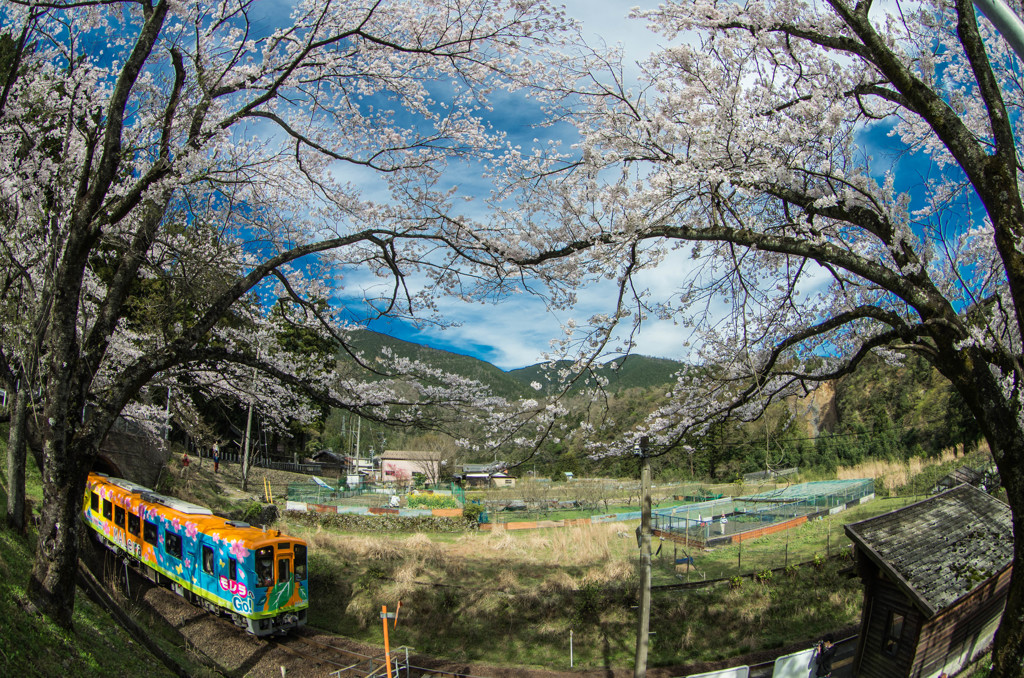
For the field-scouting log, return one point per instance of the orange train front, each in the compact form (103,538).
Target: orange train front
(256,576)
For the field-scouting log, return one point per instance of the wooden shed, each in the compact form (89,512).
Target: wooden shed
(935,579)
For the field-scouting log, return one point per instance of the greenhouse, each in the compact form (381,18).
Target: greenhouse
(737,518)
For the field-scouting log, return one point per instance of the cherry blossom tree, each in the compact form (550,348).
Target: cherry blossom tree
(822,181)
(172,171)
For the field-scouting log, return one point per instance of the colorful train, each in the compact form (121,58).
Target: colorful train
(257,577)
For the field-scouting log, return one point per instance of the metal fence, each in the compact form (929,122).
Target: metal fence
(329,494)
(705,522)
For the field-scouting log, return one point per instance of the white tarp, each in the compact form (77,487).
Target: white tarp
(321,483)
(735,672)
(797,665)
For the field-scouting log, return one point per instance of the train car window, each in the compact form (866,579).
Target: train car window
(207,560)
(232,570)
(150,533)
(108,509)
(94,502)
(172,544)
(283,573)
(119,516)
(134,524)
(300,562)
(265,566)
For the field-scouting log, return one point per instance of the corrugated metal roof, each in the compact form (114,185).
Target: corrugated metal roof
(411,455)
(940,549)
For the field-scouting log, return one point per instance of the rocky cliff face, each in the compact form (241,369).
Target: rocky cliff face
(816,410)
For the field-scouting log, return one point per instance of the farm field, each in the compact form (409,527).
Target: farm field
(536,586)
(512,598)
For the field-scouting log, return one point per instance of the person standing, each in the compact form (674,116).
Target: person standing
(184,463)
(216,457)
(826,653)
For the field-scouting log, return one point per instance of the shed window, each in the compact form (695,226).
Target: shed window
(892,637)
(134,524)
(172,544)
(150,533)
(119,516)
(108,509)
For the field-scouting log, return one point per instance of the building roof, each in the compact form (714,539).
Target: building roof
(411,455)
(940,549)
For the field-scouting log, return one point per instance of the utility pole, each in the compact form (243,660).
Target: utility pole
(644,624)
(246,441)
(1006,21)
(245,449)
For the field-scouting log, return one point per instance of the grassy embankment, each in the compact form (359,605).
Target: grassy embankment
(32,646)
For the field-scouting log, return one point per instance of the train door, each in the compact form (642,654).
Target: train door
(133,536)
(114,514)
(291,568)
(284,563)
(207,570)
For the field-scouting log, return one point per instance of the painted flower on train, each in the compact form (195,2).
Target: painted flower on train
(176,524)
(238,550)
(191,529)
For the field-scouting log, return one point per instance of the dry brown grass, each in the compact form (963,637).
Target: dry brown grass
(893,474)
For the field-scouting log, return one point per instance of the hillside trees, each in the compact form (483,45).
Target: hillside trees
(169,171)
(824,181)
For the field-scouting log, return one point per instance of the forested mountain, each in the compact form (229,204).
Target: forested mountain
(883,411)
(501,384)
(634,371)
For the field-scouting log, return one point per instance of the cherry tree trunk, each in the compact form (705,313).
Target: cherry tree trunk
(997,418)
(1008,647)
(51,586)
(16,447)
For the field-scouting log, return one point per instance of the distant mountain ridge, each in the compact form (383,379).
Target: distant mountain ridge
(634,371)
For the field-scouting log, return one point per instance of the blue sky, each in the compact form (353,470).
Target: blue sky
(518,331)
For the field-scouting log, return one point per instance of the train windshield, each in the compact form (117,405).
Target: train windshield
(265,566)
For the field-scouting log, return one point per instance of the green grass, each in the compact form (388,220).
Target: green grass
(531,588)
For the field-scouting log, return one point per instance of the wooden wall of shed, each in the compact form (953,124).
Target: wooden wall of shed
(882,597)
(951,638)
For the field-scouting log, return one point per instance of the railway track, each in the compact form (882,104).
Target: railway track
(319,654)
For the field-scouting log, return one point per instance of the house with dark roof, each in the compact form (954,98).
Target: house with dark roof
(935,576)
(984,479)
(485,475)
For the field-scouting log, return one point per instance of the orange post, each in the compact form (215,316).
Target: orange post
(387,647)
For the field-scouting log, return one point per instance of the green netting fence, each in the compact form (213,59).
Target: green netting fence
(704,522)
(332,493)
